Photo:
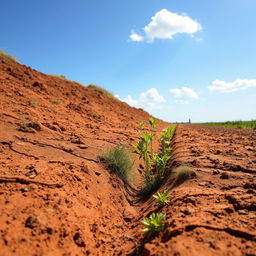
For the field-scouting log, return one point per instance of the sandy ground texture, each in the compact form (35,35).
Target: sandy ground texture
(56,198)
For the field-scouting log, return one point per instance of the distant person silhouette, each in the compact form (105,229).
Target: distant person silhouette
(189,121)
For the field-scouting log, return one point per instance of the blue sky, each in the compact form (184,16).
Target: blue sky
(176,59)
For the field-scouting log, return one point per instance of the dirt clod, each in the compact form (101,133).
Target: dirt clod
(78,240)
(31,222)
(224,176)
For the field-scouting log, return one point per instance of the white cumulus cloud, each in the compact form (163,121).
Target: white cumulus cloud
(151,98)
(148,100)
(237,85)
(183,95)
(130,101)
(165,24)
(135,37)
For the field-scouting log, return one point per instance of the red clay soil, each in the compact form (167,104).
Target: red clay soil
(56,198)
(215,212)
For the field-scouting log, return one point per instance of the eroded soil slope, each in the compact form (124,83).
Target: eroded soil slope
(55,197)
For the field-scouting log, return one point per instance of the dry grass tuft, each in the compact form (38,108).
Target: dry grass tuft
(6,56)
(62,77)
(181,174)
(119,161)
(102,91)
(59,76)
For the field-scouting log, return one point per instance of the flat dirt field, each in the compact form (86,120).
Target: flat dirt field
(214,213)
(57,198)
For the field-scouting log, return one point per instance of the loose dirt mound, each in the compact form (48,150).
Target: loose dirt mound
(57,199)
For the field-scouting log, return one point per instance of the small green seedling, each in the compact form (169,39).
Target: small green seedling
(160,162)
(141,124)
(142,148)
(154,164)
(162,198)
(152,122)
(153,223)
(166,137)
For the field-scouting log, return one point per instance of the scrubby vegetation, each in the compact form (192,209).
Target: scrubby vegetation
(102,91)
(154,164)
(118,161)
(237,124)
(6,56)
(152,170)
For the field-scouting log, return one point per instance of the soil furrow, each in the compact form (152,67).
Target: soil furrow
(227,220)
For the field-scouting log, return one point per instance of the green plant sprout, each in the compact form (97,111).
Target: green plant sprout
(166,137)
(160,162)
(142,149)
(152,122)
(141,124)
(162,198)
(153,223)
(154,163)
